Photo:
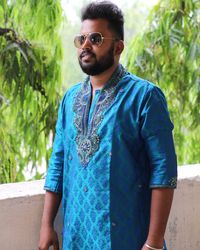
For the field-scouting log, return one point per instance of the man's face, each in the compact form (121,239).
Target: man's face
(94,59)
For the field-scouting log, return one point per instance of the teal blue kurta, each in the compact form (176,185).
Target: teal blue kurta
(107,156)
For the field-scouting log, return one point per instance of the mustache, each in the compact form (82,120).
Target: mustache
(84,53)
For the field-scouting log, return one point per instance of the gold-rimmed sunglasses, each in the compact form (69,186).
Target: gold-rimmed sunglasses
(95,38)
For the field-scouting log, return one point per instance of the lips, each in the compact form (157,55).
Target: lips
(86,55)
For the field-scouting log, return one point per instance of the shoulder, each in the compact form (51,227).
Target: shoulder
(72,90)
(70,93)
(67,98)
(141,87)
(139,83)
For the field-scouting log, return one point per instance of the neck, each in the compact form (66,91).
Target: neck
(99,81)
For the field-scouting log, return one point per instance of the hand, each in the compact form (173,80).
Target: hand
(48,237)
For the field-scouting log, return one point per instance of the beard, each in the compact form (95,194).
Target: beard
(97,67)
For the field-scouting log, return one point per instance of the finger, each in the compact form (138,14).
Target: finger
(56,246)
(45,246)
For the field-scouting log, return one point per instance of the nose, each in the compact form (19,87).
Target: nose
(86,44)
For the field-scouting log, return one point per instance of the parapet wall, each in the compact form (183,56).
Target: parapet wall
(21,207)
(183,230)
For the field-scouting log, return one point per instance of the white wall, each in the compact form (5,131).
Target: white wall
(21,207)
(183,231)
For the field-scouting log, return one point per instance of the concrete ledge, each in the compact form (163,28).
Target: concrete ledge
(189,172)
(183,230)
(21,207)
(21,189)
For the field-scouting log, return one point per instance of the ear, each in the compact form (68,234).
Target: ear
(119,47)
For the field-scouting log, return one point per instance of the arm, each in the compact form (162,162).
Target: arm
(160,208)
(157,134)
(53,186)
(48,236)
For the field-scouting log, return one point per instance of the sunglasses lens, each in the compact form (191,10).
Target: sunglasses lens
(95,38)
(79,40)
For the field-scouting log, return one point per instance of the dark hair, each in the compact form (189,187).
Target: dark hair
(105,10)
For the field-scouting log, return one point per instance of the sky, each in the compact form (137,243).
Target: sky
(70,6)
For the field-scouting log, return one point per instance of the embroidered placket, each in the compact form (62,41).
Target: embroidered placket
(87,139)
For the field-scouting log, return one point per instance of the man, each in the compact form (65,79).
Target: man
(113,160)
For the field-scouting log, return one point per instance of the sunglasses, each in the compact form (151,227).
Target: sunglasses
(95,38)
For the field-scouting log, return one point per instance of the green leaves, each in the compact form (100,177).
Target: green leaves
(168,53)
(14,45)
(30,72)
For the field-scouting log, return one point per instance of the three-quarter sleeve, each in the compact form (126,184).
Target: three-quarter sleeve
(54,178)
(156,131)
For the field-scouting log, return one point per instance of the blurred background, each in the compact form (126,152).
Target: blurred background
(38,63)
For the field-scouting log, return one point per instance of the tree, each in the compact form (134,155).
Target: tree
(30,76)
(30,83)
(168,53)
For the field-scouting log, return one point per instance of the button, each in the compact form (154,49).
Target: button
(85,189)
(68,224)
(140,185)
(113,224)
(70,157)
(110,153)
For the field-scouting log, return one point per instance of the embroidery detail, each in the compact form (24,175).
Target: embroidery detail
(173,182)
(87,139)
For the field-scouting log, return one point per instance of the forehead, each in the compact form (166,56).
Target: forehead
(96,25)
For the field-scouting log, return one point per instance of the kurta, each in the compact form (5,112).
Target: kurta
(107,156)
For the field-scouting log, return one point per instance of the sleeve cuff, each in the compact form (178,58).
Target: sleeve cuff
(53,186)
(171,183)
